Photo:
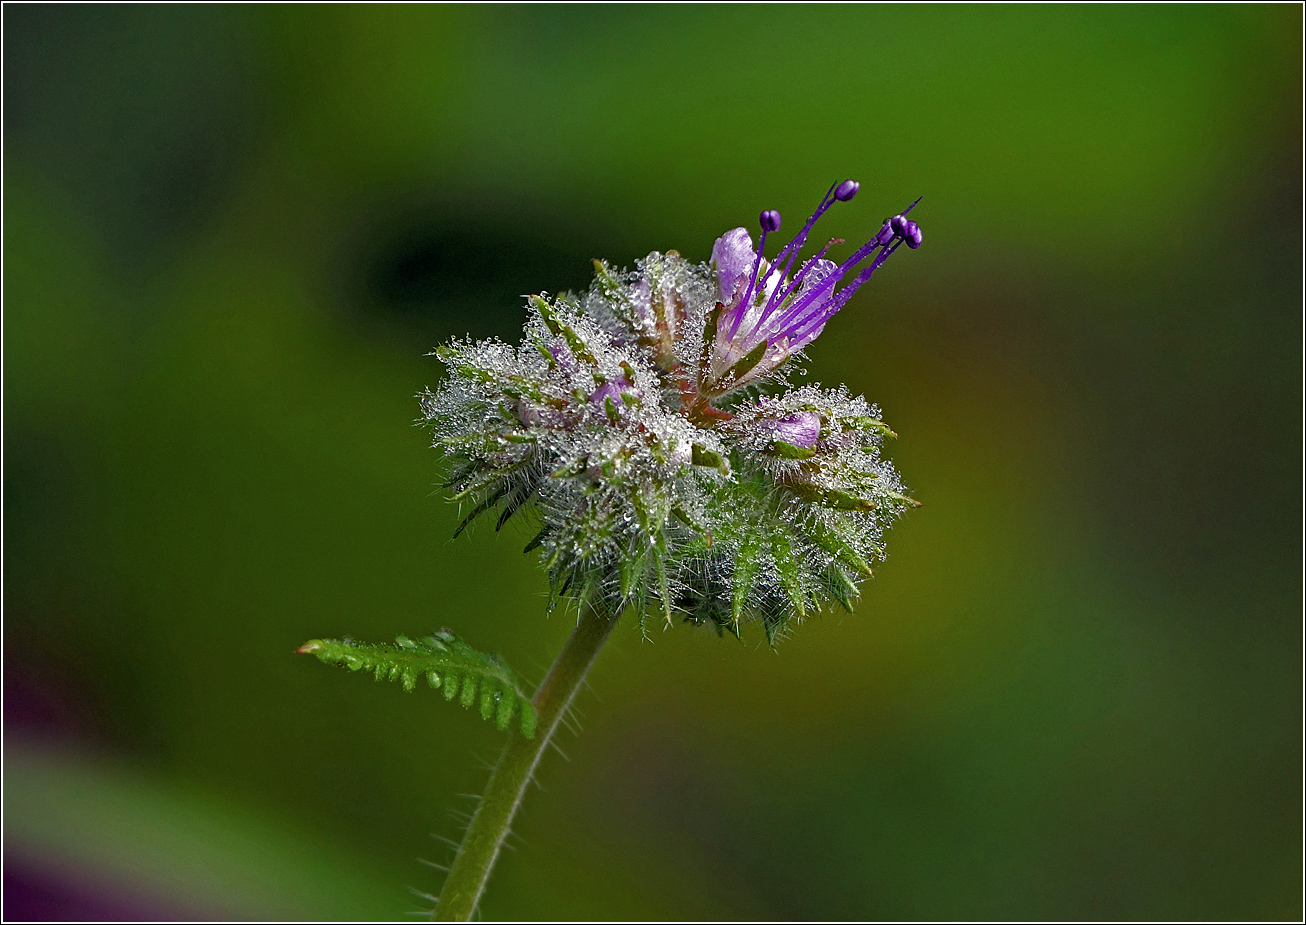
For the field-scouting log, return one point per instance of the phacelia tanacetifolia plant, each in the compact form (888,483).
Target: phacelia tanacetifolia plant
(671,469)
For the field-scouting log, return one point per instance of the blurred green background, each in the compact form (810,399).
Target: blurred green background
(231,235)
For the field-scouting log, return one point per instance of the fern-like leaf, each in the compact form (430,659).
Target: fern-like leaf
(447,663)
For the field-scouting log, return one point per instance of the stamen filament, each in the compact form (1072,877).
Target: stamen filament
(742,309)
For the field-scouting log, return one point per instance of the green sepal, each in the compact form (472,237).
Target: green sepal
(831,497)
(782,548)
(489,502)
(876,425)
(751,359)
(609,285)
(709,337)
(664,588)
(789,451)
(747,562)
(841,549)
(678,511)
(558,327)
(512,436)
(842,588)
(539,538)
(630,569)
(710,459)
(461,474)
(546,314)
(726,626)
(571,469)
(546,353)
(447,663)
(514,504)
(903,499)
(520,387)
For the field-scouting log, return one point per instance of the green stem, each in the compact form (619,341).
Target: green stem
(503,795)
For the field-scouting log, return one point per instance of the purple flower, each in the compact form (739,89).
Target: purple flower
(766,313)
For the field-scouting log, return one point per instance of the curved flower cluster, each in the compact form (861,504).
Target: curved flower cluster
(650,427)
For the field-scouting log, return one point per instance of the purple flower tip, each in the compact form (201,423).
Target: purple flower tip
(913,235)
(770,220)
(847,190)
(899,225)
(802,429)
(885,236)
(611,389)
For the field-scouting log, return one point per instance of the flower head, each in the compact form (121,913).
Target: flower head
(651,429)
(766,313)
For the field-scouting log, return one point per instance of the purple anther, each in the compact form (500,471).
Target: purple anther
(913,235)
(802,429)
(885,236)
(847,190)
(899,226)
(770,220)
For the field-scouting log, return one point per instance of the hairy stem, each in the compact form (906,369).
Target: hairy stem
(503,795)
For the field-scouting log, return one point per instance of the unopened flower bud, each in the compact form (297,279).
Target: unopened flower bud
(802,429)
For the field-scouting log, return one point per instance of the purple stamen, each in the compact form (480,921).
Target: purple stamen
(794,319)
(841,192)
(847,190)
(742,309)
(887,234)
(802,271)
(796,310)
(795,325)
(802,332)
(791,249)
(779,296)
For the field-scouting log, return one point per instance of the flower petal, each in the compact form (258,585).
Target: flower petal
(733,258)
